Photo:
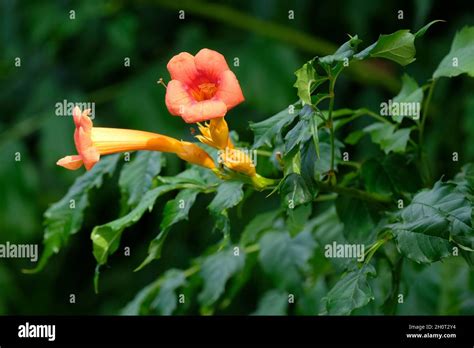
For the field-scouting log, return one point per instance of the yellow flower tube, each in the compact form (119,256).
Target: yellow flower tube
(92,142)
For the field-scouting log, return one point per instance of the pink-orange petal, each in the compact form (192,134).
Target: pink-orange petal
(177,98)
(90,157)
(181,67)
(70,162)
(204,110)
(77,116)
(229,90)
(85,147)
(210,63)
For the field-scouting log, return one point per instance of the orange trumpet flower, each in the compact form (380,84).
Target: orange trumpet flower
(202,87)
(92,142)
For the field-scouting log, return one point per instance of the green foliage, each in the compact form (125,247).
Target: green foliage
(175,210)
(324,191)
(65,217)
(266,130)
(307,80)
(399,47)
(391,174)
(216,270)
(273,302)
(106,238)
(352,291)
(388,137)
(285,258)
(435,218)
(136,178)
(459,59)
(229,194)
(410,93)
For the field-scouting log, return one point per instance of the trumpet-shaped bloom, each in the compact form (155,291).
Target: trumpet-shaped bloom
(92,142)
(202,87)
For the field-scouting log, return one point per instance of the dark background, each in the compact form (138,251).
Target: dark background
(83,60)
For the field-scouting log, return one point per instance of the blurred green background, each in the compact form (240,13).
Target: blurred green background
(82,59)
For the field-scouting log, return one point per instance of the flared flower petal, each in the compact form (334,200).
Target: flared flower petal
(204,110)
(229,90)
(182,68)
(70,162)
(210,64)
(177,97)
(202,87)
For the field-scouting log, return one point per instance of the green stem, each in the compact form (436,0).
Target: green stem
(325,198)
(390,306)
(356,193)
(373,249)
(332,81)
(352,164)
(264,153)
(425,166)
(425,112)
(372,114)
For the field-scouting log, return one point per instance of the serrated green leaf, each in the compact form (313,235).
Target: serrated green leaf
(64,218)
(229,194)
(352,291)
(435,217)
(465,181)
(295,191)
(106,238)
(396,142)
(216,270)
(307,81)
(314,166)
(158,297)
(410,93)
(273,302)
(266,130)
(136,306)
(178,209)
(166,300)
(460,59)
(354,137)
(297,218)
(136,177)
(327,229)
(398,46)
(258,225)
(175,210)
(297,135)
(389,139)
(285,258)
